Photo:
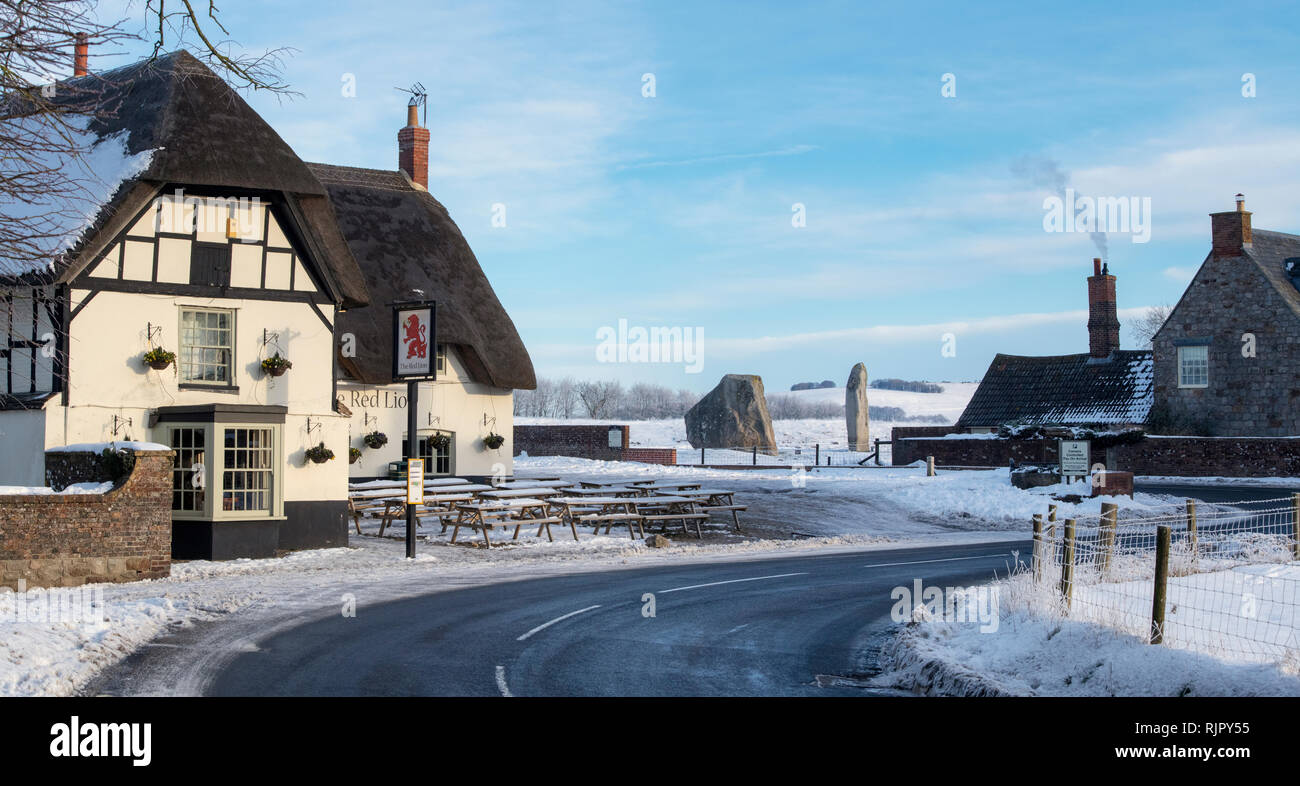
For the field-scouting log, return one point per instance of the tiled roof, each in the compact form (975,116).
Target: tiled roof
(1063,389)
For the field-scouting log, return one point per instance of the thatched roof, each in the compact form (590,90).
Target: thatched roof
(404,239)
(201,133)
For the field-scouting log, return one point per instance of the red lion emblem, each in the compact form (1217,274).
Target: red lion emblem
(417,343)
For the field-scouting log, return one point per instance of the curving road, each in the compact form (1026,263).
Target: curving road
(805,625)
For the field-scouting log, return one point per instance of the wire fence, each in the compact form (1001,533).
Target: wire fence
(814,455)
(1215,578)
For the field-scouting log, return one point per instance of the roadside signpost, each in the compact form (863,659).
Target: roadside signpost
(415,345)
(1076,458)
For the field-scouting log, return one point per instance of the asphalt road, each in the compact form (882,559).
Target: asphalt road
(806,625)
(1210,493)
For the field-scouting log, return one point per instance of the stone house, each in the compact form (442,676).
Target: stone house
(1227,359)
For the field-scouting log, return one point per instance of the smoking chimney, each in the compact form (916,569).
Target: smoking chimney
(413,147)
(1103,317)
(81,56)
(1230,231)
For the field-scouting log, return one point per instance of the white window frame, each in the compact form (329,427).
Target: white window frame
(214,471)
(1182,376)
(180,354)
(440,359)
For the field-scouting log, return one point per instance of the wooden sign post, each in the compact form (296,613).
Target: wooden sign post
(415,345)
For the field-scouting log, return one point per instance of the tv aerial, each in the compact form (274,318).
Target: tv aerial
(420,98)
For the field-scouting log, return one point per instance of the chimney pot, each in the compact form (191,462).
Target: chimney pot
(1096,266)
(81,55)
(1241,203)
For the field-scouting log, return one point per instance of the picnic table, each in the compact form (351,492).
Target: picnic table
(437,506)
(401,484)
(484,516)
(506,493)
(661,485)
(670,508)
(717,501)
(386,503)
(603,491)
(598,510)
(535,484)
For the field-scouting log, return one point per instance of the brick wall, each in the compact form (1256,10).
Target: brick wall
(591,442)
(974,452)
(1239,457)
(1243,457)
(586,441)
(65,540)
(651,455)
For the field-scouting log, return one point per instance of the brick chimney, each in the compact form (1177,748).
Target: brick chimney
(81,56)
(413,147)
(1230,232)
(1103,318)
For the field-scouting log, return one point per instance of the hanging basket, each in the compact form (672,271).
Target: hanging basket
(494,441)
(441,441)
(319,454)
(354,455)
(159,359)
(375,440)
(276,365)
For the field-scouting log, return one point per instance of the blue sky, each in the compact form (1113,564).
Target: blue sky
(676,210)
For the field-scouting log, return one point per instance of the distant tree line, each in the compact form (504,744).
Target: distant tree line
(568,398)
(825,383)
(907,385)
(602,399)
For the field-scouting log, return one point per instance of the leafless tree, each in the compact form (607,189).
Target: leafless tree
(1145,327)
(44,180)
(599,397)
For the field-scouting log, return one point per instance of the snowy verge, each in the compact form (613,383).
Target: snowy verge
(1035,652)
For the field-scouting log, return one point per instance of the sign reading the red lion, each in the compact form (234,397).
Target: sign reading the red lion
(414,341)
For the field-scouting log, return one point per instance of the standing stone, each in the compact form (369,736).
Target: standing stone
(732,415)
(855,409)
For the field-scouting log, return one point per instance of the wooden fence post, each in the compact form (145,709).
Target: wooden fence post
(1038,547)
(1295,525)
(817,457)
(701,456)
(929,466)
(1161,583)
(1191,525)
(1109,526)
(755,456)
(1067,564)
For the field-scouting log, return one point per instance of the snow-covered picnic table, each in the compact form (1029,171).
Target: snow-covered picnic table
(666,508)
(596,510)
(604,491)
(716,501)
(669,485)
(401,484)
(511,493)
(484,516)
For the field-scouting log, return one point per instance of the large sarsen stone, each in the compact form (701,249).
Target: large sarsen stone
(732,415)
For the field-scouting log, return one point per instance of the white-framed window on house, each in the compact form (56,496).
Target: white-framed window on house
(226,470)
(1194,366)
(441,360)
(207,347)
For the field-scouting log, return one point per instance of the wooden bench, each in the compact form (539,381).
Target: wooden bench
(485,516)
(735,509)
(610,519)
(682,517)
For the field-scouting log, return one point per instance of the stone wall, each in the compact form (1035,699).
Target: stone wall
(973,452)
(1247,396)
(66,540)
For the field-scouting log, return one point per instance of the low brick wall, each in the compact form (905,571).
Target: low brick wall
(590,442)
(1233,457)
(66,540)
(651,455)
(975,452)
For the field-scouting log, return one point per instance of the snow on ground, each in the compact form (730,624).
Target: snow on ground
(789,512)
(1038,651)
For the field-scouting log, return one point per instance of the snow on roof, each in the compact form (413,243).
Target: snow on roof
(1064,389)
(60,219)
